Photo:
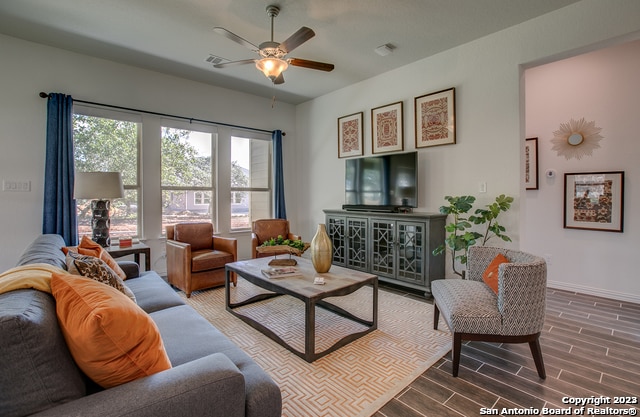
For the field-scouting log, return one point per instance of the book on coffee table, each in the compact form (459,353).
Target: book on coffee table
(281,272)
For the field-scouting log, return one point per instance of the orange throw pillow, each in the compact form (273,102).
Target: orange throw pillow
(490,275)
(111,339)
(91,248)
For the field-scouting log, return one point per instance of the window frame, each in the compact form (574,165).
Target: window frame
(213,189)
(125,116)
(253,136)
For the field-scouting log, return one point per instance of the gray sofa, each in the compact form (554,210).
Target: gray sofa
(210,375)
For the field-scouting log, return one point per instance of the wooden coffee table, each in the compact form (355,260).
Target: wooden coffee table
(338,282)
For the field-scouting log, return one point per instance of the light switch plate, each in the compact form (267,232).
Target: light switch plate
(9,185)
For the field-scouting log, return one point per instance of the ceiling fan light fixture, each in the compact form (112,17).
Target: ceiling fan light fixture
(273,59)
(272,67)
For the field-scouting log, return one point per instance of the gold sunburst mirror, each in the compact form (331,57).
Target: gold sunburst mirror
(576,139)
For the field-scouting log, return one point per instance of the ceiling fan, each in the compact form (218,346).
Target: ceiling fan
(273,59)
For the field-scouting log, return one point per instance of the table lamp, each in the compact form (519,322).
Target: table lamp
(100,187)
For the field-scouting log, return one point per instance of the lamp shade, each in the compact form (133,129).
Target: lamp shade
(98,185)
(272,67)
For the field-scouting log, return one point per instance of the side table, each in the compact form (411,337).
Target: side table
(136,249)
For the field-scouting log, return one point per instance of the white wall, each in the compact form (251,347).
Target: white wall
(487,76)
(601,86)
(28,68)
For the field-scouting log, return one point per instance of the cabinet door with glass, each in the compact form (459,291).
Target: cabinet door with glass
(336,231)
(357,243)
(383,260)
(410,241)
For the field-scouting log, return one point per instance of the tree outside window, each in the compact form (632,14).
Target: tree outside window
(187,172)
(250,181)
(102,145)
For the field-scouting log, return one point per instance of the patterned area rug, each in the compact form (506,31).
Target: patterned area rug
(355,380)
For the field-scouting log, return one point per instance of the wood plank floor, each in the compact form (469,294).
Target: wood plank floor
(590,346)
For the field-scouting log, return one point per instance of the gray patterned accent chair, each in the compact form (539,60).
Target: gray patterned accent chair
(473,311)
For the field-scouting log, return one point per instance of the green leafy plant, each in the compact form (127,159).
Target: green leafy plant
(460,236)
(489,216)
(275,241)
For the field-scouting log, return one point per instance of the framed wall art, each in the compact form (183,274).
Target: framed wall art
(594,200)
(386,128)
(436,118)
(350,135)
(531,163)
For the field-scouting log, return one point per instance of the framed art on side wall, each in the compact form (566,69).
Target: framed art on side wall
(435,118)
(386,128)
(531,163)
(594,201)
(350,135)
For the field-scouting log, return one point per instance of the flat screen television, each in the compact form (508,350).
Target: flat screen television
(381,183)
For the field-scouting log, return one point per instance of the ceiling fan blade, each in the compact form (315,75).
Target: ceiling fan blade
(234,63)
(301,36)
(305,63)
(279,79)
(237,39)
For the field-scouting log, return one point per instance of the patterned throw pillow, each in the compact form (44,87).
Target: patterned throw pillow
(97,269)
(91,248)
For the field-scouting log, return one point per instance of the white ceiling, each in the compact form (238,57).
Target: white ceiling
(175,36)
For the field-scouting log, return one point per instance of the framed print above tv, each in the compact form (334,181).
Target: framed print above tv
(386,128)
(594,201)
(350,135)
(435,118)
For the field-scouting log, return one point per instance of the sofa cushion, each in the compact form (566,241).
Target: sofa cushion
(467,306)
(38,371)
(44,249)
(152,292)
(96,269)
(111,339)
(182,323)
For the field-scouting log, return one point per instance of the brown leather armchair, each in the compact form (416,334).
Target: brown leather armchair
(264,229)
(196,258)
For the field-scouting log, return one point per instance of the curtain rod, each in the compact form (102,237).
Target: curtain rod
(45,95)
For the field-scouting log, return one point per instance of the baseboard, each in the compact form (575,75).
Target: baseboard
(594,291)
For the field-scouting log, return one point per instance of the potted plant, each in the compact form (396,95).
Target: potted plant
(460,234)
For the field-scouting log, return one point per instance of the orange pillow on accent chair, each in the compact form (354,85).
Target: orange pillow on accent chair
(490,275)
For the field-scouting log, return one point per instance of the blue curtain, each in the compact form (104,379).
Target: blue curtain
(278,189)
(59,213)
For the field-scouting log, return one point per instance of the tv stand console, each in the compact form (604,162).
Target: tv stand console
(394,246)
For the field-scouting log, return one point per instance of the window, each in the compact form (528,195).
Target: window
(236,197)
(200,198)
(186,176)
(250,181)
(109,141)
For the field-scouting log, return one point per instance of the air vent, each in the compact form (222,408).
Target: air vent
(214,59)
